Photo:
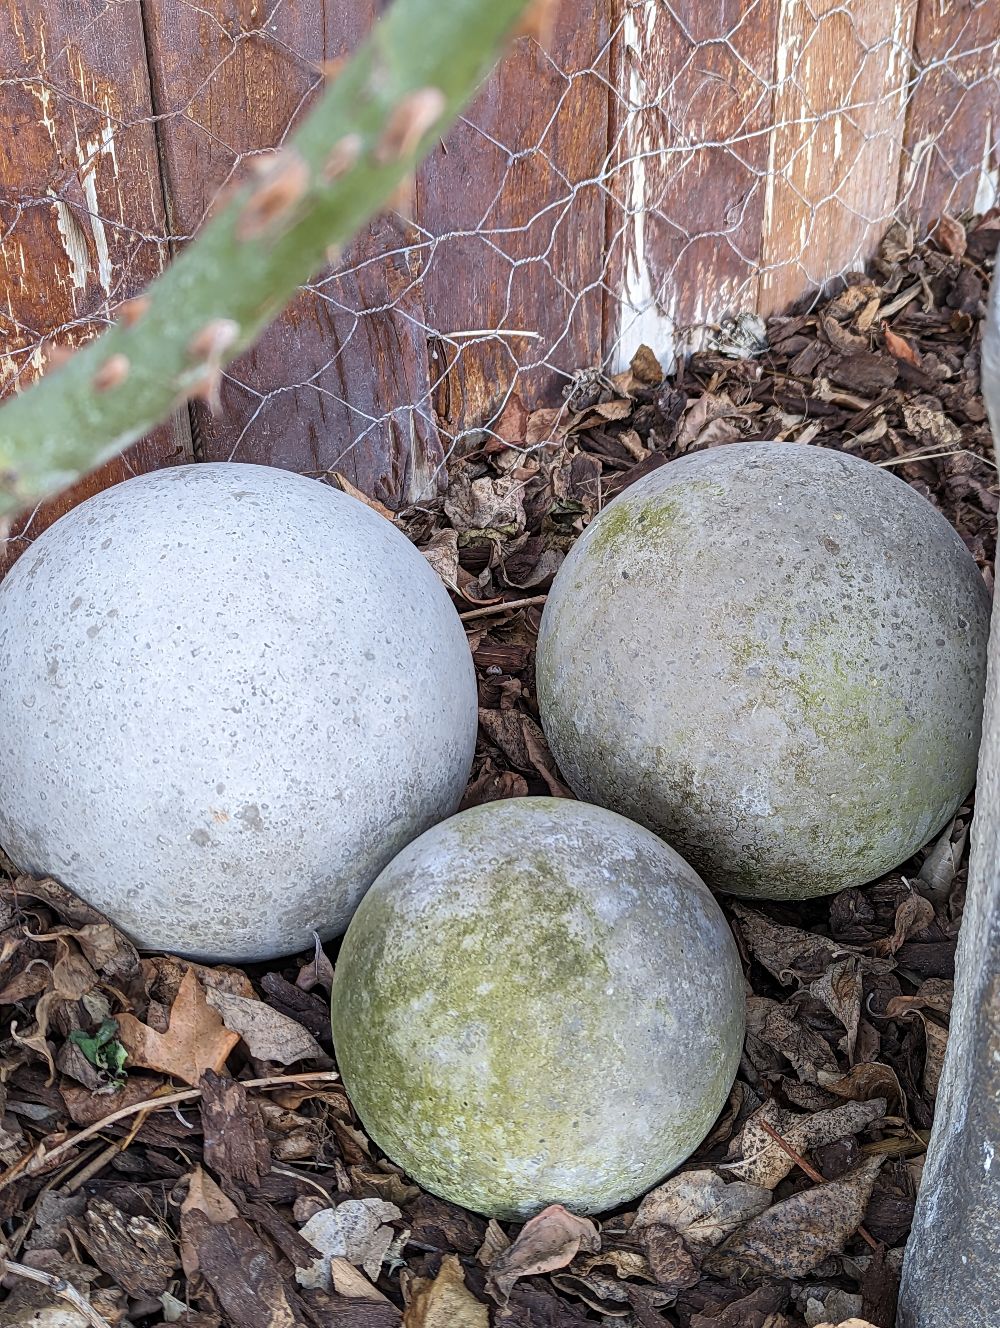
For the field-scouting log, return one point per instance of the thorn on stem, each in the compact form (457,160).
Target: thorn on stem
(342,156)
(283,185)
(415,114)
(208,388)
(57,355)
(538,21)
(213,340)
(131,311)
(111,374)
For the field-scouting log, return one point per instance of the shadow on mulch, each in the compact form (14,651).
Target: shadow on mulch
(174,1140)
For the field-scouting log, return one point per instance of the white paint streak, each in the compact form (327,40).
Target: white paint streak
(988,185)
(641,317)
(74,244)
(88,155)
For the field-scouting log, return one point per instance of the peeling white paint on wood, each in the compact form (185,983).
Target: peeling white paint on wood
(642,319)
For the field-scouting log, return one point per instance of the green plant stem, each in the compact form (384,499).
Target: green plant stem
(378,117)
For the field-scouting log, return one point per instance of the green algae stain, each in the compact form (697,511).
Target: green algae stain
(500,1003)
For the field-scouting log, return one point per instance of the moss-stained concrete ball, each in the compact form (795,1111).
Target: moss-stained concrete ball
(228,696)
(774,656)
(538,1002)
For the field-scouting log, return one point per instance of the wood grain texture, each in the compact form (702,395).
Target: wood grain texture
(841,71)
(951,149)
(81,210)
(512,214)
(689,159)
(336,384)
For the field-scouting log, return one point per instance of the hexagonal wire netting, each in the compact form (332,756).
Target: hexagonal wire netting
(662,165)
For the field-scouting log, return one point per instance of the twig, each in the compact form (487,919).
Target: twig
(63,1289)
(150,1104)
(810,1171)
(933,456)
(492,609)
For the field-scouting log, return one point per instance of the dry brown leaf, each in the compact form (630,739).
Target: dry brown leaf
(345,485)
(950,235)
(848,1323)
(196,1038)
(773,1026)
(929,425)
(932,994)
(492,502)
(318,972)
(864,1082)
(494,1243)
(204,1196)
(913,915)
(840,991)
(356,1230)
(268,1034)
(701,1207)
(789,953)
(898,346)
(546,1242)
(646,367)
(446,1302)
(936,1045)
(442,554)
(763,1161)
(351,1283)
(795,1236)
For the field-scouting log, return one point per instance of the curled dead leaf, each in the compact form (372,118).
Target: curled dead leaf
(548,1241)
(445,1302)
(701,1206)
(356,1230)
(761,1158)
(795,1236)
(268,1034)
(914,914)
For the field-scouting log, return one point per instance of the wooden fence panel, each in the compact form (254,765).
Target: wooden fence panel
(513,213)
(81,209)
(333,384)
(951,149)
(841,77)
(659,166)
(689,162)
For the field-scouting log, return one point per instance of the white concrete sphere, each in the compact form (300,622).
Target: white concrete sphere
(774,656)
(538,1002)
(229,695)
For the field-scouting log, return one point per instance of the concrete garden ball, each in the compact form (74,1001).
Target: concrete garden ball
(538,1002)
(228,696)
(774,656)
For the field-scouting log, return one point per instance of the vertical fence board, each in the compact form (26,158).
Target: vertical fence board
(81,210)
(688,160)
(338,381)
(952,140)
(512,215)
(841,79)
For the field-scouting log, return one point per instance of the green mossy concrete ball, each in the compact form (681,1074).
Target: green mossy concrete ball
(774,656)
(538,1002)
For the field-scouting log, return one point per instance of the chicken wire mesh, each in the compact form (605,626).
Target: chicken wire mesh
(659,170)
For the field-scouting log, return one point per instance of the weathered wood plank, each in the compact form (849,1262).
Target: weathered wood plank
(841,73)
(340,381)
(513,214)
(951,149)
(81,206)
(688,163)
